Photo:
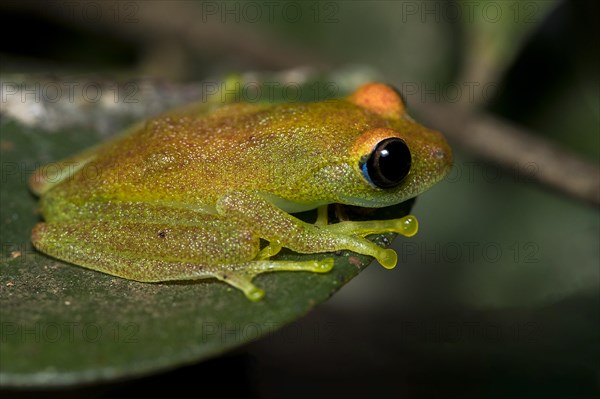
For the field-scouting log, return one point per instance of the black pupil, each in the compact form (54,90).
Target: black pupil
(389,163)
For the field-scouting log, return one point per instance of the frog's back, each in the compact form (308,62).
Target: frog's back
(196,158)
(165,156)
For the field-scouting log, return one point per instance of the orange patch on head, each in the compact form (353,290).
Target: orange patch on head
(380,99)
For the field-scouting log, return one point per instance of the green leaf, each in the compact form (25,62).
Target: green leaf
(62,324)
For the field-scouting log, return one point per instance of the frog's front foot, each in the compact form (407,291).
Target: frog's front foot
(389,258)
(406,226)
(354,231)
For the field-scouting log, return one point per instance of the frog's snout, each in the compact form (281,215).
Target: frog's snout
(441,154)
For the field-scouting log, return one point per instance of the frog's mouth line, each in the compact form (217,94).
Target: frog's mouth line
(365,203)
(290,206)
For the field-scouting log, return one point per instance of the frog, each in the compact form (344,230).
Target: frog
(213,190)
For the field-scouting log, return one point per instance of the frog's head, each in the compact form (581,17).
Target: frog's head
(389,161)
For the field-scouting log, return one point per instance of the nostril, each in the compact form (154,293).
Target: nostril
(439,153)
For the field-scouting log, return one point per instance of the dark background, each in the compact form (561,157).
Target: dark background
(444,323)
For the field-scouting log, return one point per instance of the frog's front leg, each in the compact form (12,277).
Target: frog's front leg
(407,226)
(155,252)
(252,211)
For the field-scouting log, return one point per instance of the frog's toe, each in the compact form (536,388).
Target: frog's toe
(408,226)
(324,265)
(388,258)
(242,282)
(254,294)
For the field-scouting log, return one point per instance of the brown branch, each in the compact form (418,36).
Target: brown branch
(509,146)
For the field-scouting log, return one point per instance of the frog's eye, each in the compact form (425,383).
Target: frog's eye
(388,164)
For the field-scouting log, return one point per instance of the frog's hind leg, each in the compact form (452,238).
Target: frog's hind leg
(136,252)
(241,275)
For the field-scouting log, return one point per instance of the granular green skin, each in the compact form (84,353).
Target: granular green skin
(190,194)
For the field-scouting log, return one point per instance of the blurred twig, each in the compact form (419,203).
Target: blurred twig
(509,146)
(489,51)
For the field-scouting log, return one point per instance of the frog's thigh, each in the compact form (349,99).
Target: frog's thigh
(138,251)
(212,242)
